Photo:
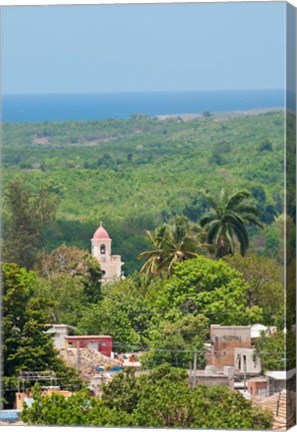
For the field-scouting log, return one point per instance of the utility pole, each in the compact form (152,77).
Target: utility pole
(78,355)
(244,373)
(195,368)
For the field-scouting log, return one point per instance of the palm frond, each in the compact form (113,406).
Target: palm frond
(247,209)
(243,238)
(207,219)
(149,254)
(253,220)
(223,196)
(232,217)
(213,229)
(229,238)
(236,198)
(212,203)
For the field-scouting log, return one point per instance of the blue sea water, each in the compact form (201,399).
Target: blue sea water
(61,107)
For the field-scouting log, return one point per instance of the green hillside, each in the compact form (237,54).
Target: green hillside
(134,174)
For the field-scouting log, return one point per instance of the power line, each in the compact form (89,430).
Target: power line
(204,350)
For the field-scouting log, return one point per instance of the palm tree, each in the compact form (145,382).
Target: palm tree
(228,222)
(155,256)
(171,244)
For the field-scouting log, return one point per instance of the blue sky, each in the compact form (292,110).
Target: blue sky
(161,47)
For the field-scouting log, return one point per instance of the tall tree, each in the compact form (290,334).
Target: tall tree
(26,345)
(75,263)
(207,287)
(265,279)
(155,256)
(124,313)
(29,211)
(228,220)
(171,244)
(276,352)
(66,298)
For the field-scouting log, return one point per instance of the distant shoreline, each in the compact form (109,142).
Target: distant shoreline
(183,117)
(219,115)
(94,107)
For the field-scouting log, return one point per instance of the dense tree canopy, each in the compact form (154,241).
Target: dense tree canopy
(124,313)
(161,399)
(77,410)
(26,345)
(208,287)
(162,168)
(65,295)
(175,343)
(75,262)
(277,352)
(266,285)
(29,210)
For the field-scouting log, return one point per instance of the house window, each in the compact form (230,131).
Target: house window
(102,249)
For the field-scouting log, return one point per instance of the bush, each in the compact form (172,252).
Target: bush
(265,146)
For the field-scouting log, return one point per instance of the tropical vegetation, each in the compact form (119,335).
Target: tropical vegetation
(161,399)
(199,222)
(26,345)
(137,174)
(231,214)
(171,244)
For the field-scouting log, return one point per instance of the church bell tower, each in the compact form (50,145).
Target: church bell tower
(101,250)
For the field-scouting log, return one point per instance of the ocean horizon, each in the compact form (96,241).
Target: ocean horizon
(67,107)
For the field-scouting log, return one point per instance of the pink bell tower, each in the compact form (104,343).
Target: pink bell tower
(101,249)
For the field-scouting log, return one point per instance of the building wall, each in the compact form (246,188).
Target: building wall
(281,380)
(258,387)
(224,340)
(27,396)
(102,345)
(96,250)
(275,386)
(51,391)
(213,380)
(110,264)
(21,397)
(111,268)
(59,335)
(252,366)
